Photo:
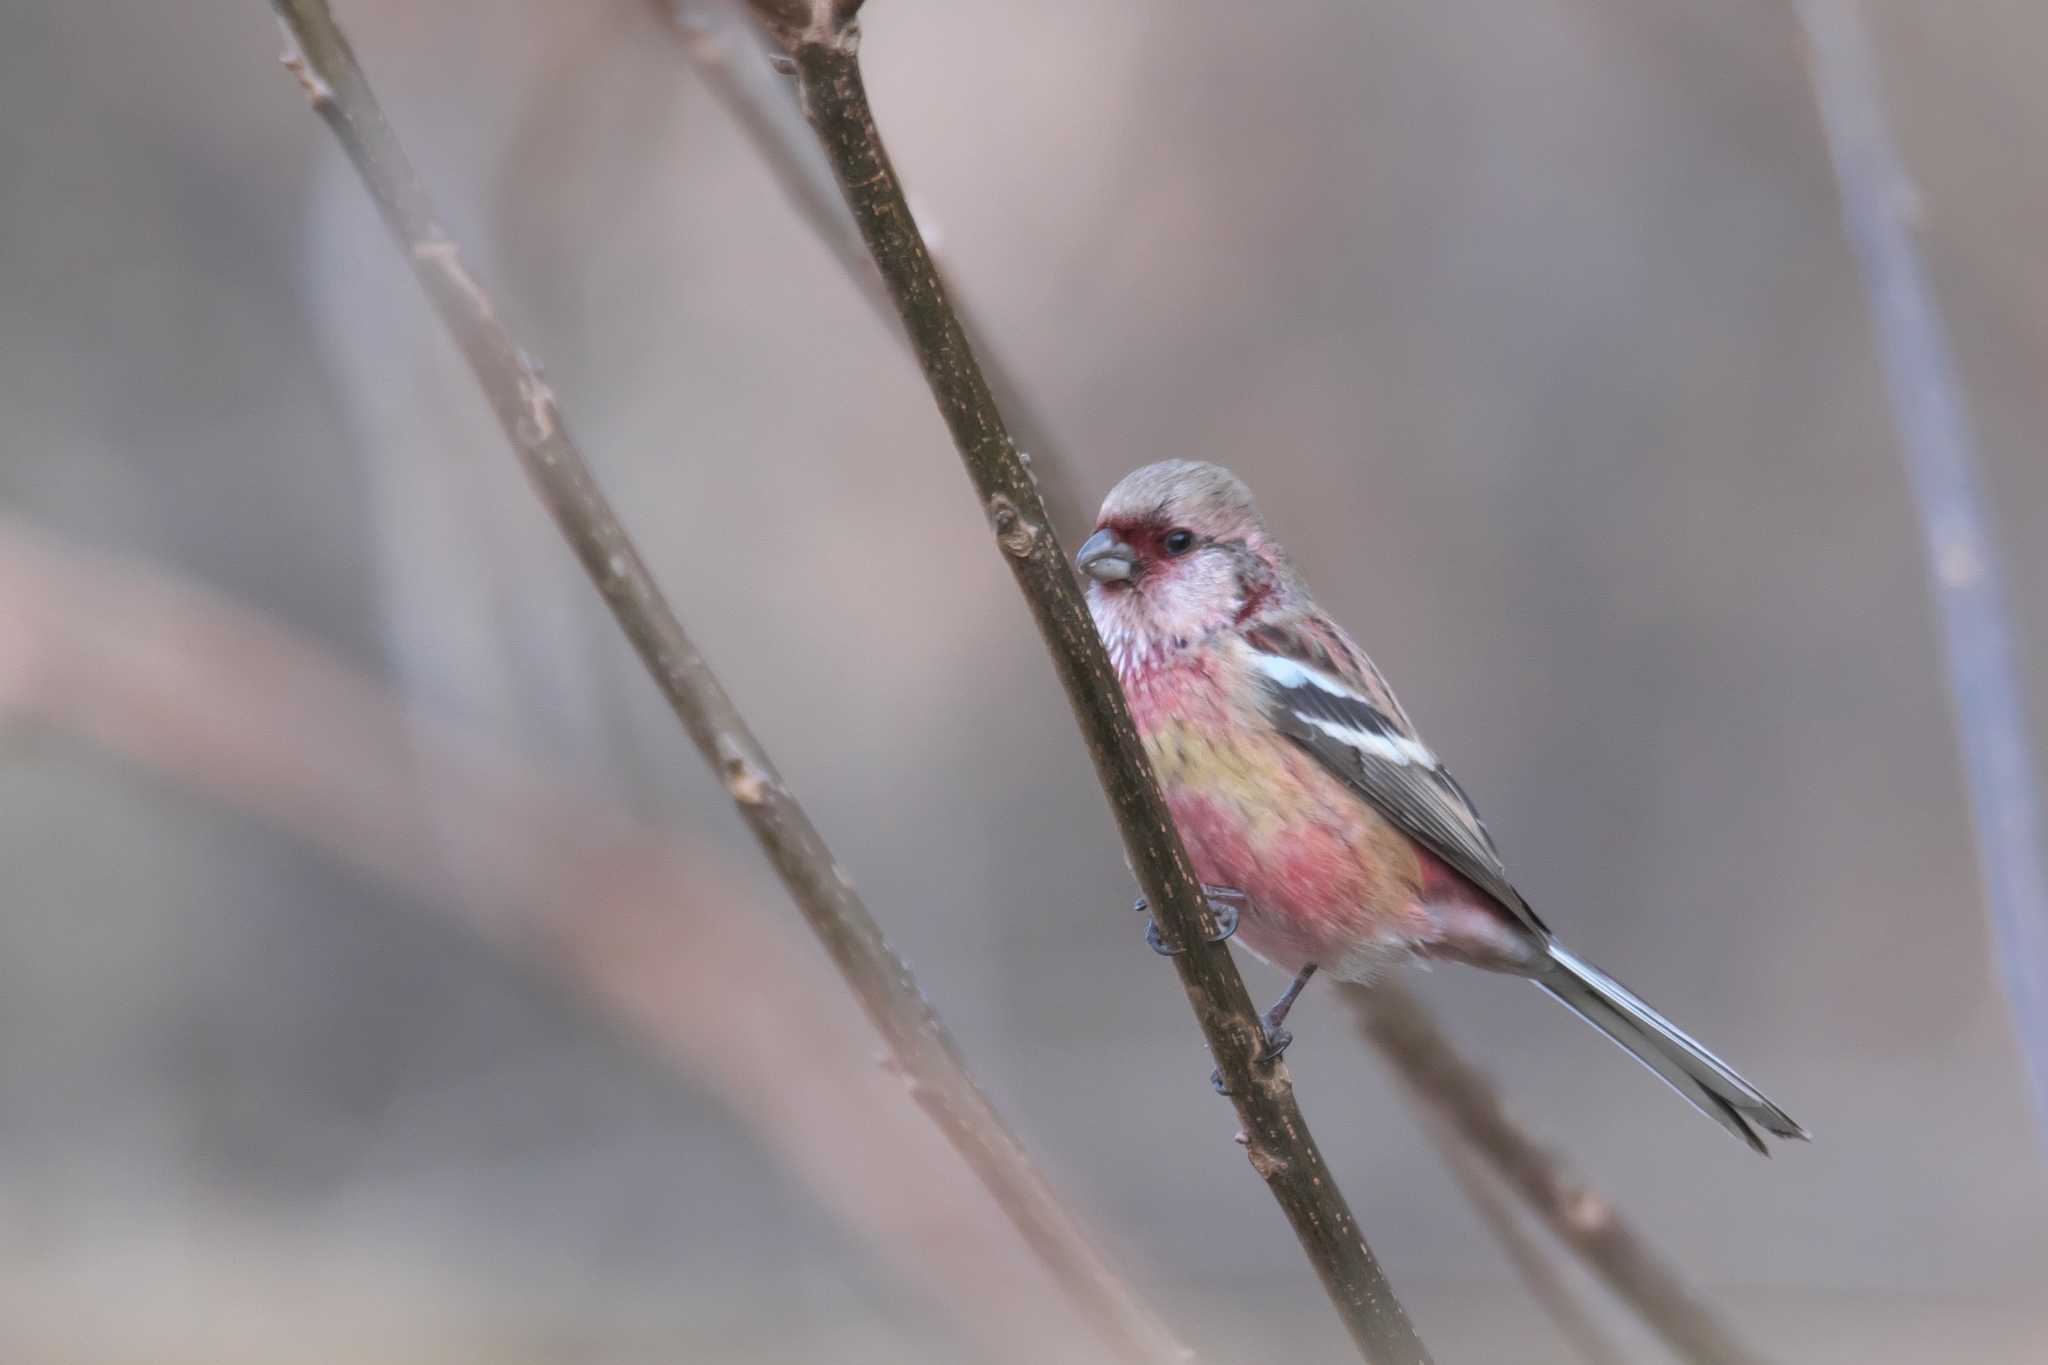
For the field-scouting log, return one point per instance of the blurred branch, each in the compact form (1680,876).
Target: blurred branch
(1878,206)
(732,57)
(1464,1099)
(731,54)
(821,38)
(526,408)
(1573,1320)
(231,704)
(727,46)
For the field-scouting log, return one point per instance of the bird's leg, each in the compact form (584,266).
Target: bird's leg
(1225,903)
(1276,1037)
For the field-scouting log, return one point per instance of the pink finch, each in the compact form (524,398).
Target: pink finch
(1304,794)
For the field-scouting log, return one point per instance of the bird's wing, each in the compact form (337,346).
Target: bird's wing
(1322,692)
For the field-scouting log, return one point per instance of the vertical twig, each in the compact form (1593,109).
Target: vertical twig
(525,406)
(821,37)
(1878,204)
(1451,1089)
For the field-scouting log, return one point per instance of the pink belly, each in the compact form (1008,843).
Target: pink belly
(1315,891)
(1327,880)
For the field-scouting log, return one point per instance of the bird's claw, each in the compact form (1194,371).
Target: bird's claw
(1224,903)
(1228,894)
(1226,919)
(1158,944)
(1273,1039)
(1276,1042)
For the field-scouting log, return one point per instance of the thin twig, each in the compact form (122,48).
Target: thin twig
(1878,204)
(1573,1320)
(525,406)
(725,47)
(731,55)
(1464,1098)
(821,38)
(180,679)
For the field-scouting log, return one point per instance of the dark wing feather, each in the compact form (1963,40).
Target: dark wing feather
(1377,755)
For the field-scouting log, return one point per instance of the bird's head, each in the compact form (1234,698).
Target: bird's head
(1178,552)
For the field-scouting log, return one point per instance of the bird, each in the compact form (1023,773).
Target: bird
(1326,833)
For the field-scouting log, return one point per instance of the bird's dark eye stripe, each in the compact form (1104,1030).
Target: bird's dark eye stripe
(1178,541)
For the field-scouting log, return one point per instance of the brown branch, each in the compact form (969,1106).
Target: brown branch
(725,47)
(728,50)
(822,43)
(1464,1098)
(1573,1320)
(526,408)
(216,696)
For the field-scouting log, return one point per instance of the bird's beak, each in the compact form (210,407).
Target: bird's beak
(1106,559)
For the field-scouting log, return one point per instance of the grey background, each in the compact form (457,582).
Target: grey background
(1532,326)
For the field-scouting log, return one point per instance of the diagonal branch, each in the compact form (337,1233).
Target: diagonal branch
(191,684)
(321,58)
(1963,573)
(1449,1088)
(822,42)
(725,46)
(1573,1320)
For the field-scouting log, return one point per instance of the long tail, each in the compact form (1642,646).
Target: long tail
(1706,1082)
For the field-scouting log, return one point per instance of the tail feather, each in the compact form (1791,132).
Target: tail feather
(1704,1080)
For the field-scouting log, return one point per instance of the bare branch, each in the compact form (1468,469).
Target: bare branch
(828,22)
(1573,1320)
(724,43)
(214,695)
(1464,1099)
(1276,1137)
(526,408)
(1964,578)
(730,53)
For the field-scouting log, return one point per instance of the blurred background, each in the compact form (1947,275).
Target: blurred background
(1534,329)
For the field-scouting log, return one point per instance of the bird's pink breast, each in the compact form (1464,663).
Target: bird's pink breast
(1327,879)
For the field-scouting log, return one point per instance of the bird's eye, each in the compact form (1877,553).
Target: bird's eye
(1178,542)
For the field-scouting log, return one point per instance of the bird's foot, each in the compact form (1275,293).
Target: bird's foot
(1275,1042)
(1274,1038)
(1225,903)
